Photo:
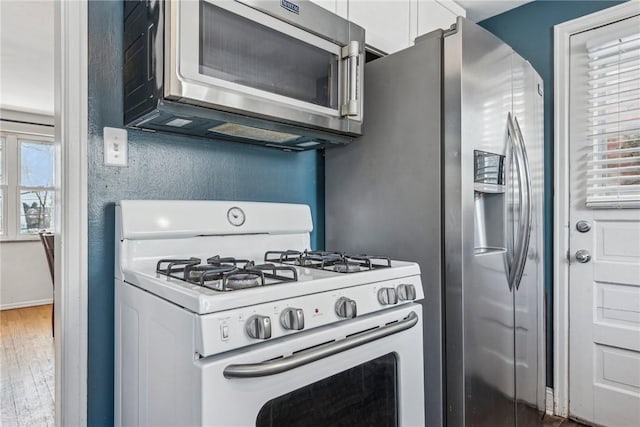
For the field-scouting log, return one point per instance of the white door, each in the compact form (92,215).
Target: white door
(604,239)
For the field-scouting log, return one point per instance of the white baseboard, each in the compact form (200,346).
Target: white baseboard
(26,304)
(549,401)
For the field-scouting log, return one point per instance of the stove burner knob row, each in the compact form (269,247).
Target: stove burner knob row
(259,327)
(346,308)
(406,292)
(292,319)
(387,296)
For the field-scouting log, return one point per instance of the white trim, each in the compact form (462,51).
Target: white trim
(11,213)
(27,117)
(28,128)
(562,36)
(548,401)
(71,117)
(23,304)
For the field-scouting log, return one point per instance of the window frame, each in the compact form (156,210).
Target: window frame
(12,185)
(4,186)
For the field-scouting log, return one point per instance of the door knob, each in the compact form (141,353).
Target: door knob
(583,256)
(583,226)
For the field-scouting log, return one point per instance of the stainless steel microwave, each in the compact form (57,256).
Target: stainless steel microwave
(280,73)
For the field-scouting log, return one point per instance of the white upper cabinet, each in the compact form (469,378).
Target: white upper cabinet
(433,14)
(387,22)
(327,4)
(392,25)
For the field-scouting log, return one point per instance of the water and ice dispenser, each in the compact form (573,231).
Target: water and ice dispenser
(489,202)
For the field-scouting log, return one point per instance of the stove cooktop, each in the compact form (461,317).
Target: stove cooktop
(229,274)
(164,247)
(218,283)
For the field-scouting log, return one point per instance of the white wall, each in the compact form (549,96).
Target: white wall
(24,275)
(26,56)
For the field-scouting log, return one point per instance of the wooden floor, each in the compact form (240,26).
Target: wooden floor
(26,367)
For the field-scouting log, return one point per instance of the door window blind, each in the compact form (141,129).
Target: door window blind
(613,178)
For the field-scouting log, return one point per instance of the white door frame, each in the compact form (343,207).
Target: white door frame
(562,35)
(71,98)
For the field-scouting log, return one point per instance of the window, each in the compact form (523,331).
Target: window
(36,185)
(614,127)
(27,192)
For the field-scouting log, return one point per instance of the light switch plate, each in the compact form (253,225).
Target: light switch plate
(116,148)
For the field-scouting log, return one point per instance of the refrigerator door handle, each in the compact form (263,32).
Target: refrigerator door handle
(524,178)
(511,235)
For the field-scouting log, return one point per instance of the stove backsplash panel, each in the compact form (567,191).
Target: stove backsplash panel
(164,167)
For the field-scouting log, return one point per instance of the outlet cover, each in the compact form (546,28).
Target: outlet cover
(116,150)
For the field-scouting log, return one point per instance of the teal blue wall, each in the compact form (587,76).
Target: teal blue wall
(529,30)
(163,167)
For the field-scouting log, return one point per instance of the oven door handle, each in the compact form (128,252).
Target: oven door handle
(278,366)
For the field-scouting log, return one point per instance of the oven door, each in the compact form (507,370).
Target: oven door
(362,372)
(261,59)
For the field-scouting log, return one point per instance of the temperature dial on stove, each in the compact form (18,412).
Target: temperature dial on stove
(387,296)
(346,308)
(259,327)
(292,319)
(406,292)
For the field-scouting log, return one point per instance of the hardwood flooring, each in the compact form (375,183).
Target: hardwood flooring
(26,367)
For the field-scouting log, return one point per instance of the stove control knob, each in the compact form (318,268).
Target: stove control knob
(259,327)
(406,292)
(346,308)
(292,319)
(387,296)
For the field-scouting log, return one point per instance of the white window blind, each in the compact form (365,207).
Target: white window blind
(613,179)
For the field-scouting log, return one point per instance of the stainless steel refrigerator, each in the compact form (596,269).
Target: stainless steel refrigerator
(449,173)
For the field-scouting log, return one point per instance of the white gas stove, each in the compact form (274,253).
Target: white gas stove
(225,300)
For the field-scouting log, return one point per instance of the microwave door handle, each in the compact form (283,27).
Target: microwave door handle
(278,366)
(351,55)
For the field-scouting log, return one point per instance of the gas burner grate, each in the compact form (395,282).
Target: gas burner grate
(327,260)
(217,260)
(226,274)
(371,261)
(282,257)
(175,265)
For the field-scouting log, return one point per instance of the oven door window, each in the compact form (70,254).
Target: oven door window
(365,395)
(239,50)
